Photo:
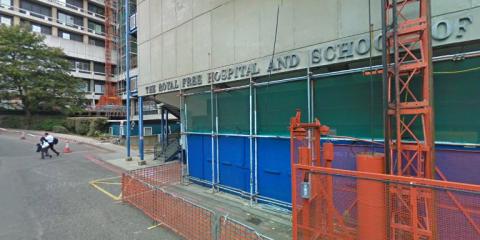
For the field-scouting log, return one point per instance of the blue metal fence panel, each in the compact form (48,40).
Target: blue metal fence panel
(234,157)
(200,157)
(274,175)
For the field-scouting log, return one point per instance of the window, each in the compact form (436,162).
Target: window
(4,20)
(65,35)
(35,9)
(85,86)
(95,27)
(99,68)
(96,42)
(70,20)
(70,36)
(38,28)
(110,131)
(75,4)
(94,9)
(6,3)
(99,88)
(147,131)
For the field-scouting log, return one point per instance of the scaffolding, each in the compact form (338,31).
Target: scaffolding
(110,97)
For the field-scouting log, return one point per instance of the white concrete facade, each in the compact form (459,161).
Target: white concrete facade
(86,48)
(179,40)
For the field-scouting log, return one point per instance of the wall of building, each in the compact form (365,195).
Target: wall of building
(181,42)
(238,139)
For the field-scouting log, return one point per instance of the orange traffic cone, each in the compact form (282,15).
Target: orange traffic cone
(67,149)
(22,136)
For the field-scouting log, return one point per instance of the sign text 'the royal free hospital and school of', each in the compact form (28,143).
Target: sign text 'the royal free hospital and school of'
(444,31)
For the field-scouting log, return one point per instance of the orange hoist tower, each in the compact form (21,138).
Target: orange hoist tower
(379,200)
(110,97)
(409,133)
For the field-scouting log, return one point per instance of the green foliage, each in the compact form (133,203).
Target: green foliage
(44,123)
(90,126)
(97,125)
(35,73)
(59,129)
(82,126)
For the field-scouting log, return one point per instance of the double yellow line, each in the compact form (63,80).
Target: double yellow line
(107,181)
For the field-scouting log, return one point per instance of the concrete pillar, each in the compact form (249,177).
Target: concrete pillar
(16,19)
(54,17)
(85,29)
(91,68)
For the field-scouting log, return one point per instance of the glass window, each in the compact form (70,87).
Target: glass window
(70,20)
(92,8)
(99,88)
(36,9)
(147,131)
(36,28)
(6,3)
(70,36)
(65,35)
(83,66)
(95,27)
(6,20)
(85,86)
(99,67)
(96,42)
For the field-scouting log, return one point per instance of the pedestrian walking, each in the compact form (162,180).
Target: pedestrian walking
(44,146)
(52,141)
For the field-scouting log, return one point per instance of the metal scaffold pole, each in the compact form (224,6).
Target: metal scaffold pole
(140,128)
(127,75)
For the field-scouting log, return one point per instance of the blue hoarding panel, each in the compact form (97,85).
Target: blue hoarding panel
(200,157)
(234,157)
(274,179)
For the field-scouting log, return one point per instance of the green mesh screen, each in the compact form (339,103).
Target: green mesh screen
(457,118)
(234,111)
(344,103)
(276,104)
(199,113)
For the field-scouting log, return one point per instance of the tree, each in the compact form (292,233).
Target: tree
(35,73)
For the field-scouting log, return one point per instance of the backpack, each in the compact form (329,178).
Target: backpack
(55,141)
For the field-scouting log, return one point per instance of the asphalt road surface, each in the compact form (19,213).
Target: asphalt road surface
(52,198)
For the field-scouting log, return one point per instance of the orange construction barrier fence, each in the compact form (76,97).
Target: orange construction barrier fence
(146,189)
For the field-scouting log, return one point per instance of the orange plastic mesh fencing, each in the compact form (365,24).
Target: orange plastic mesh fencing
(159,175)
(146,190)
(353,206)
(234,230)
(142,189)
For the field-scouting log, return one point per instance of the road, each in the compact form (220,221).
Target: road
(52,198)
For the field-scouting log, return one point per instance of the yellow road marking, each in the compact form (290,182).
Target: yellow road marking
(108,178)
(154,226)
(109,183)
(102,181)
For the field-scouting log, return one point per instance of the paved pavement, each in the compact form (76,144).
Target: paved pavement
(52,198)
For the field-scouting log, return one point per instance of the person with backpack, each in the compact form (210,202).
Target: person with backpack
(43,147)
(51,141)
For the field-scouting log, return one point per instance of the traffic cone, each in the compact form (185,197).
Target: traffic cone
(67,149)
(22,136)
